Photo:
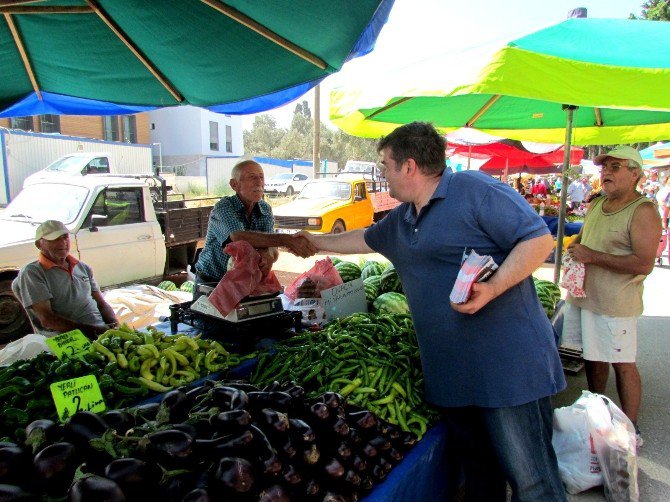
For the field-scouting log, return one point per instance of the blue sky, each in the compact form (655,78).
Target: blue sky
(421,29)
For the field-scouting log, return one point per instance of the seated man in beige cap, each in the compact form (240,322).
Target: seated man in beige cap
(59,291)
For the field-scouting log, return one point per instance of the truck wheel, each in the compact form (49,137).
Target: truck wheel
(14,321)
(289,191)
(338,227)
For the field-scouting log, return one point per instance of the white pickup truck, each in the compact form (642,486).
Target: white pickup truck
(115,227)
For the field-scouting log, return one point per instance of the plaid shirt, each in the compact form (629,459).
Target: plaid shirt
(228,216)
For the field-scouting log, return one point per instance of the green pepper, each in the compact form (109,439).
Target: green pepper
(154,385)
(104,351)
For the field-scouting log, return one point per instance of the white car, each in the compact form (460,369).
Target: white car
(286,184)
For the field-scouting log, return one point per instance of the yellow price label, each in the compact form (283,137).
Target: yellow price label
(77,394)
(71,344)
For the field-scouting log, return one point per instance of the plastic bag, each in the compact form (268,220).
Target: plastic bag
(578,463)
(615,443)
(24,348)
(323,274)
(243,280)
(574,275)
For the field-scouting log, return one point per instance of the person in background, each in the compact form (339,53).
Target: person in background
(558,185)
(663,201)
(491,363)
(539,189)
(244,216)
(576,193)
(618,244)
(651,185)
(59,291)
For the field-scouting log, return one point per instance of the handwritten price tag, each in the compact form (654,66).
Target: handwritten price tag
(77,394)
(344,299)
(71,344)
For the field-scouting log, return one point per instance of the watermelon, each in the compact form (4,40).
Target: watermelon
(348,271)
(167,286)
(391,303)
(187,286)
(371,286)
(371,268)
(390,280)
(335,260)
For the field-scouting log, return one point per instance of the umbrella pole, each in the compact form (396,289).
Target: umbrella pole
(564,193)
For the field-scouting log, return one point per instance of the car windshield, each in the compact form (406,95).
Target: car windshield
(282,177)
(68,164)
(43,202)
(340,191)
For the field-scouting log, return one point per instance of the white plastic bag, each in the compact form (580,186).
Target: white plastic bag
(615,443)
(578,463)
(23,348)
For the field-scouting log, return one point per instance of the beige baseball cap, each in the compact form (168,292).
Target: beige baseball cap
(50,230)
(620,152)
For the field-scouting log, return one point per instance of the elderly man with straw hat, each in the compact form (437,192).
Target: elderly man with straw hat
(58,291)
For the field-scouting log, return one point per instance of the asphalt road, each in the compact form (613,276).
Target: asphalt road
(653,363)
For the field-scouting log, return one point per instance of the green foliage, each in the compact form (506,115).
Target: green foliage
(655,10)
(196,190)
(266,139)
(223,189)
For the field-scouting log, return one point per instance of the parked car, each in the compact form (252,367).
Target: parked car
(286,184)
(358,169)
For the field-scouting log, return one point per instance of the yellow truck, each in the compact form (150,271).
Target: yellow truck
(334,206)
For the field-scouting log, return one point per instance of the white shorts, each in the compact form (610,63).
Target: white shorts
(600,337)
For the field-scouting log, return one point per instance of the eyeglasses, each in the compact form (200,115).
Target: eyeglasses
(613,166)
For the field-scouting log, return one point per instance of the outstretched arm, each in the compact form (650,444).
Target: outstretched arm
(344,243)
(298,246)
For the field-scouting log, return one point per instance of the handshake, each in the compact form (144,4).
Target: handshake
(301,244)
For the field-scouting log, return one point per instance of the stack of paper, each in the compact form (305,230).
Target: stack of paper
(475,268)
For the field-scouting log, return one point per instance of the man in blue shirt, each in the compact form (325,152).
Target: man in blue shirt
(244,216)
(491,363)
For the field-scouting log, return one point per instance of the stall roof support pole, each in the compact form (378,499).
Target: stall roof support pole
(570,109)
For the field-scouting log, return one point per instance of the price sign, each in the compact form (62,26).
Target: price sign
(77,394)
(344,299)
(71,344)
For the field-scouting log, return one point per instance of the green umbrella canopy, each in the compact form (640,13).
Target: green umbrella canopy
(168,52)
(616,71)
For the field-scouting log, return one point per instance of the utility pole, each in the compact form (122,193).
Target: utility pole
(316,147)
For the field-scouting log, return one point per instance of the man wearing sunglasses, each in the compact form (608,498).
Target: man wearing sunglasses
(617,243)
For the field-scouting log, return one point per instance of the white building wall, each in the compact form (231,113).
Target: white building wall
(25,153)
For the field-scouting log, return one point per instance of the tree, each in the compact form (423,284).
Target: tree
(264,137)
(655,10)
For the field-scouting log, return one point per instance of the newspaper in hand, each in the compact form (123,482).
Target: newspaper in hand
(475,268)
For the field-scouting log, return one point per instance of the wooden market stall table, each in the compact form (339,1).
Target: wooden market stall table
(421,475)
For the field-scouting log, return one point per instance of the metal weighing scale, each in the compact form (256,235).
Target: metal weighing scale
(251,307)
(254,319)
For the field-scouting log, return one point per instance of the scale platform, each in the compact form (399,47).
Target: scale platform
(255,319)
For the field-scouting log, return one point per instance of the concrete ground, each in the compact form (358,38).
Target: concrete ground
(653,363)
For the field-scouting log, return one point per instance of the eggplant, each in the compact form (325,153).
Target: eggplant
(352,479)
(366,483)
(344,450)
(244,386)
(265,453)
(312,487)
(359,463)
(301,430)
(136,477)
(197,495)
(378,472)
(233,445)
(175,486)
(230,421)
(171,446)
(331,399)
(119,420)
(187,428)
(12,493)
(82,427)
(341,428)
(389,430)
(234,476)
(382,444)
(229,398)
(289,450)
(291,475)
(385,464)
(194,393)
(41,432)
(363,420)
(333,468)
(274,493)
(320,411)
(146,412)
(334,497)
(369,451)
(272,386)
(203,428)
(276,400)
(296,392)
(14,465)
(409,439)
(311,454)
(55,466)
(177,404)
(95,489)
(354,437)
(395,455)
(276,420)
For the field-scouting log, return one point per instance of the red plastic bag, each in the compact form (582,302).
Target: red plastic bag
(243,280)
(323,274)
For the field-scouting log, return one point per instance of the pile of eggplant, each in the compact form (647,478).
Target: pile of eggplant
(219,441)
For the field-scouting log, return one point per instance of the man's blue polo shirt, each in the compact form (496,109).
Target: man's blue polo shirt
(228,216)
(505,354)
